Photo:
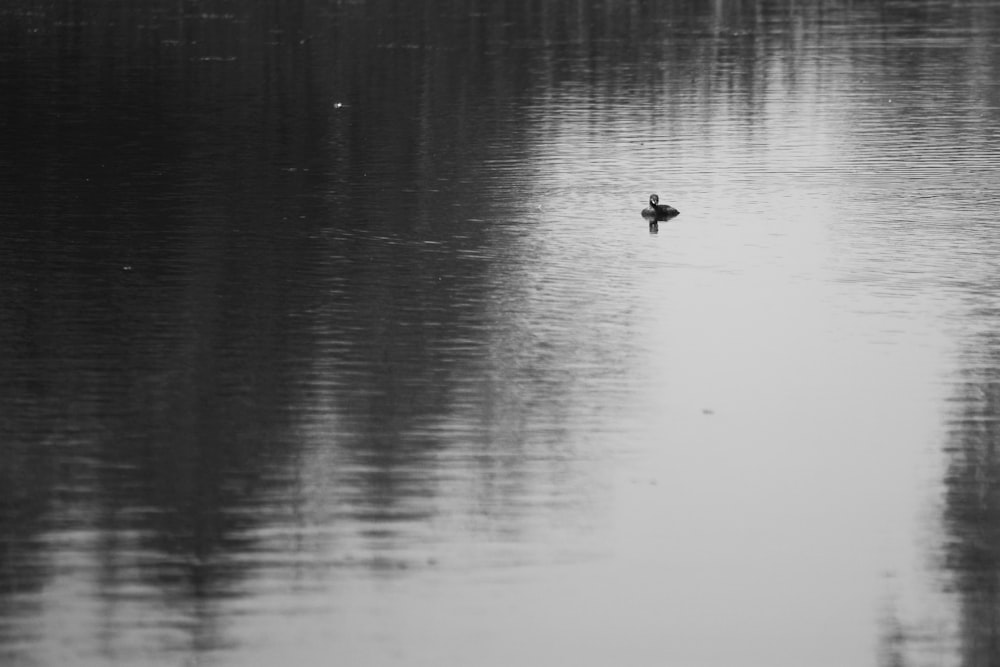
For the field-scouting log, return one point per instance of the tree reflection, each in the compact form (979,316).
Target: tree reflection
(972,514)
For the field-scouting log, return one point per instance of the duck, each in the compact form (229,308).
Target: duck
(657,210)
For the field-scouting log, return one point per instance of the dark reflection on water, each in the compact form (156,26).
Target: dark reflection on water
(301,296)
(972,513)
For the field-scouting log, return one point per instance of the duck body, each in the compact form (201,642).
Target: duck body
(658,211)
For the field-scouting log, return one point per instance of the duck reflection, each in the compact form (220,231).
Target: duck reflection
(657,212)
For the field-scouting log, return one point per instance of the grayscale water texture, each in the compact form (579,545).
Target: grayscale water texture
(331,334)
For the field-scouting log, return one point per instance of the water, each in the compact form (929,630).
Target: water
(331,333)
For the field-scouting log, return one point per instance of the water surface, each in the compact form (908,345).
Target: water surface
(332,333)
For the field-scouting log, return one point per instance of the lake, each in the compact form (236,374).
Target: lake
(331,333)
